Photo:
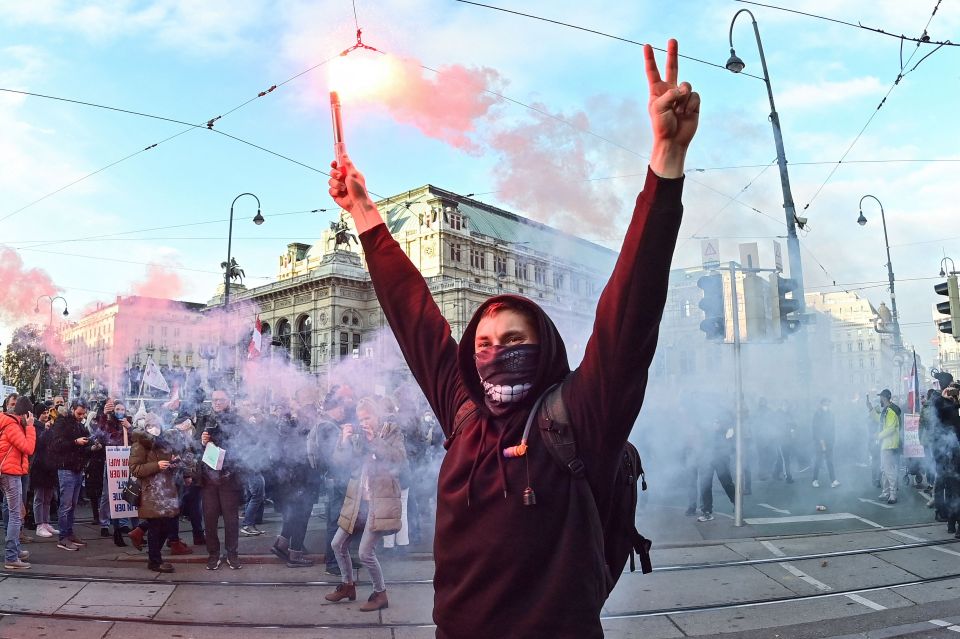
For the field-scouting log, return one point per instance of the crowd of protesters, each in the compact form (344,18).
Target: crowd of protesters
(373,458)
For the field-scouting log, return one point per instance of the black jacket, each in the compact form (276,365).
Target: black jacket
(43,473)
(64,452)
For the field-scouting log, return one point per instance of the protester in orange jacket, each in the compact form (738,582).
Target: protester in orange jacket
(17,442)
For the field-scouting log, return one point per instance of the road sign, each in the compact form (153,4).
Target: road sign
(778,256)
(710,253)
(750,255)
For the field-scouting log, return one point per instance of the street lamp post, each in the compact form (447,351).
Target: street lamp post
(258,220)
(36,309)
(228,270)
(862,220)
(736,65)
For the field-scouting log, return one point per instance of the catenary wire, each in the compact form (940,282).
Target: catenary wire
(876,111)
(600,33)
(851,24)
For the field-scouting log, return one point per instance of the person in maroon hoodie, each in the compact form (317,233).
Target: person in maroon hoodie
(504,568)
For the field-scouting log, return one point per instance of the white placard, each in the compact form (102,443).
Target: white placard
(118,472)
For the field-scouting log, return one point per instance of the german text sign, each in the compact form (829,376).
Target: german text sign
(118,472)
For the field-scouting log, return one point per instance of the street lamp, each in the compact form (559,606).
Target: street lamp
(862,220)
(258,220)
(36,307)
(736,65)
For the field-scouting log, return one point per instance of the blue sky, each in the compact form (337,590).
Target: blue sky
(193,61)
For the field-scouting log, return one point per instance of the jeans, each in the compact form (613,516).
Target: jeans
(368,553)
(824,455)
(12,493)
(42,498)
(158,531)
(336,493)
(254,492)
(25,487)
(296,515)
(70,483)
(191,507)
(222,499)
(890,467)
(721,466)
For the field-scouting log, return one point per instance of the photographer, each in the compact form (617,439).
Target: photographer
(152,462)
(17,442)
(222,489)
(67,455)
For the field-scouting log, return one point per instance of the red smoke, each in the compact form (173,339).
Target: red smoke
(19,289)
(160,283)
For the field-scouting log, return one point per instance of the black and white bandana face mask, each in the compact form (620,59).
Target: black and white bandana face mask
(507,374)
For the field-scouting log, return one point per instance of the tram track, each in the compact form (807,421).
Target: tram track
(635,614)
(409,582)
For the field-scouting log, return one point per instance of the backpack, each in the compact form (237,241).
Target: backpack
(621,539)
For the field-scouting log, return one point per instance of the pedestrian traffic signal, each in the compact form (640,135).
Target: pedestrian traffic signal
(783,323)
(714,323)
(951,307)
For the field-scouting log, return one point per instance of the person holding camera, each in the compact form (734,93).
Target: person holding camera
(152,462)
(374,452)
(17,442)
(222,489)
(68,454)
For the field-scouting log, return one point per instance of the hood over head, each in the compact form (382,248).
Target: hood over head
(553,365)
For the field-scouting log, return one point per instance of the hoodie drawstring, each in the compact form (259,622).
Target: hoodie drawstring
(503,473)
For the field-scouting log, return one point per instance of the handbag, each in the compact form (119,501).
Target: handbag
(132,492)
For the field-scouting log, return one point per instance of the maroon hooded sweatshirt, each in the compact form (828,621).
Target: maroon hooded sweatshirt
(504,569)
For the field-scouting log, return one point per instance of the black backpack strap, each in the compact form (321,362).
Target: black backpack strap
(555,430)
(641,547)
(465,414)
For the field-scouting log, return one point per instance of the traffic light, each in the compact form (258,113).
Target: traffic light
(782,323)
(951,307)
(714,323)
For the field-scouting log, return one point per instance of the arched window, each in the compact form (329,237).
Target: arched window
(283,334)
(265,332)
(304,339)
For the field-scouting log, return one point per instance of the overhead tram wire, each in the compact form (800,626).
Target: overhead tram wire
(209,125)
(896,83)
(595,32)
(855,25)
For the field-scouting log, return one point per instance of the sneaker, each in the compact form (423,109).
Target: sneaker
(333,570)
(44,531)
(260,532)
(234,563)
(213,563)
(892,500)
(834,483)
(24,555)
(66,544)
(816,483)
(76,541)
(19,564)
(705,517)
(883,496)
(789,479)
(690,512)
(249,531)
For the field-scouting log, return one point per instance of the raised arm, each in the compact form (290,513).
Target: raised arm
(419,326)
(605,393)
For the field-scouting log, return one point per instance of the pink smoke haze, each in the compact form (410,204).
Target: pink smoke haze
(160,282)
(446,105)
(19,289)
(545,171)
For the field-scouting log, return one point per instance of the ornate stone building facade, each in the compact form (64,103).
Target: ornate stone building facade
(323,308)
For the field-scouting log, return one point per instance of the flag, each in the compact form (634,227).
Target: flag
(256,340)
(36,381)
(913,397)
(141,412)
(153,377)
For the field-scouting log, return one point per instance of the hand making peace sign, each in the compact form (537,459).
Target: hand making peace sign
(674,113)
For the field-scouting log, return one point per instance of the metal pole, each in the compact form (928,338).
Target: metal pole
(738,381)
(897,340)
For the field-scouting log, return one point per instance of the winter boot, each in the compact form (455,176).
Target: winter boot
(377,601)
(281,548)
(296,560)
(343,591)
(136,538)
(179,548)
(118,537)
